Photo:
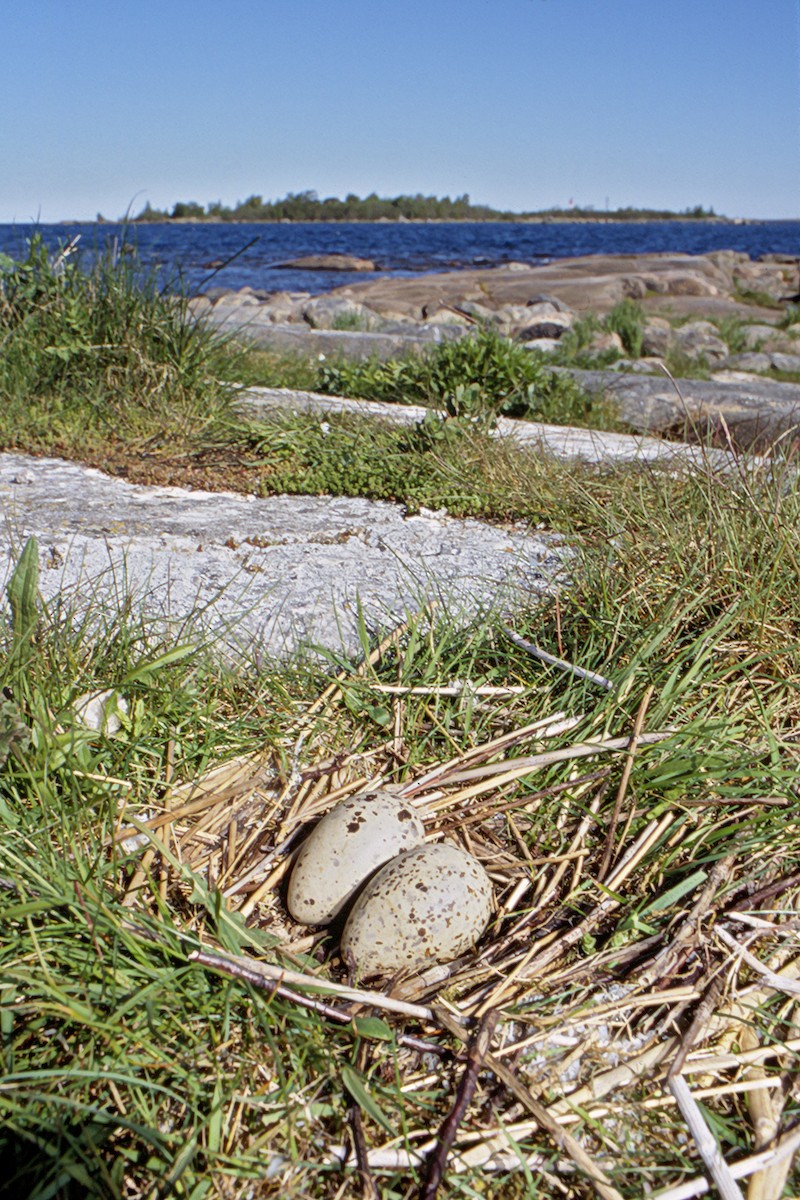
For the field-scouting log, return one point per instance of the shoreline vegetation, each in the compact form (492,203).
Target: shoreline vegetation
(307,206)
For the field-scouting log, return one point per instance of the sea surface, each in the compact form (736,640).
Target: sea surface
(204,256)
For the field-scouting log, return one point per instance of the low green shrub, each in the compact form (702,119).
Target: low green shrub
(482,376)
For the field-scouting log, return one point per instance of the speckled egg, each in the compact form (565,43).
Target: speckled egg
(426,906)
(351,841)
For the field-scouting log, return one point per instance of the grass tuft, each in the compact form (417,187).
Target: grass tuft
(98,351)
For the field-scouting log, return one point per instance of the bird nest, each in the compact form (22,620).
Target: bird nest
(580,1010)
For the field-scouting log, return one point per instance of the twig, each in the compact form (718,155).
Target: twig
(260,974)
(776,980)
(561,663)
(623,784)
(377,654)
(707,1147)
(702,1016)
(466,1089)
(452,689)
(784,1149)
(757,899)
(369,1189)
(544,1118)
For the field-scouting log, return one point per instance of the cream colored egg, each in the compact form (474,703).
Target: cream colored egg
(427,906)
(351,841)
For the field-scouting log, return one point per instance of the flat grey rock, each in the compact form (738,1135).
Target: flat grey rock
(253,325)
(756,412)
(267,578)
(560,441)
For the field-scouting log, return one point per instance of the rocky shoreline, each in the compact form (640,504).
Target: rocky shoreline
(720,312)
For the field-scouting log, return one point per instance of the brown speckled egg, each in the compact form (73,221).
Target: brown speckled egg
(351,841)
(426,906)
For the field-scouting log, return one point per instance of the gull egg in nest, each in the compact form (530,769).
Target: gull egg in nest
(426,906)
(357,836)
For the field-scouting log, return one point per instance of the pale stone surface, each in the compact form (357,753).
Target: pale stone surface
(752,361)
(700,339)
(562,441)
(656,336)
(330,262)
(755,336)
(785,362)
(268,578)
(301,339)
(601,343)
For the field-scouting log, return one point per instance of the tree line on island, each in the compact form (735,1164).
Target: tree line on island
(307,206)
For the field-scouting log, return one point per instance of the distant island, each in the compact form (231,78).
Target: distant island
(307,206)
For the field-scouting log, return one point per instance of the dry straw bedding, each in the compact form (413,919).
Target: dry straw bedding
(647,1022)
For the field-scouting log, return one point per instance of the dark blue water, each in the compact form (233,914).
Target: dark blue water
(193,253)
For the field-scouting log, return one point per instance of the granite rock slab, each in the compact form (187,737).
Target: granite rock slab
(265,578)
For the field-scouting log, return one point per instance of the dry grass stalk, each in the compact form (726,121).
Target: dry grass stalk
(239,825)
(704,1140)
(783,1152)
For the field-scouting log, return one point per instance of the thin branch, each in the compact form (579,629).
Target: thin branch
(781,983)
(784,1149)
(560,663)
(466,1090)
(543,1117)
(261,974)
(706,1145)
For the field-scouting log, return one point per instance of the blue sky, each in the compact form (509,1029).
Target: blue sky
(520,103)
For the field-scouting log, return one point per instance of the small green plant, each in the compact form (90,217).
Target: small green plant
(482,376)
(628,320)
(731,330)
(351,321)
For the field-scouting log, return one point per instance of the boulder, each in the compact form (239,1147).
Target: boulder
(541,345)
(555,303)
(756,335)
(656,337)
(700,339)
(786,362)
(479,312)
(285,307)
(551,325)
(634,287)
(754,413)
(602,342)
(772,279)
(330,262)
(751,361)
(198,305)
(445,316)
(330,312)
(530,321)
(244,297)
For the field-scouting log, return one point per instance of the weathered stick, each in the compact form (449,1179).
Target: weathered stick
(706,1145)
(466,1090)
(560,663)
